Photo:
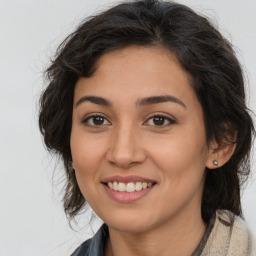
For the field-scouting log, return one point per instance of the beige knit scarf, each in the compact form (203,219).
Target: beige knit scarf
(227,239)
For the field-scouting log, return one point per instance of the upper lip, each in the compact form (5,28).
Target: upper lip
(126,179)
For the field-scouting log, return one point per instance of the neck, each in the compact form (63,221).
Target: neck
(180,237)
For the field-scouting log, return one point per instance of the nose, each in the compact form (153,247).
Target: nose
(126,149)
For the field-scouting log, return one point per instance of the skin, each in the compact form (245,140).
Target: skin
(129,141)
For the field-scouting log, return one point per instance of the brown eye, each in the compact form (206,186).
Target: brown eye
(96,120)
(161,121)
(158,120)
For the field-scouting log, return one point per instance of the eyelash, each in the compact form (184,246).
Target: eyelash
(168,119)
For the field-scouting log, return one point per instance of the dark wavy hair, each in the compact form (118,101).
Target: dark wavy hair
(209,59)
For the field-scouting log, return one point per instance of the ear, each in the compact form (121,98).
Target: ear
(218,155)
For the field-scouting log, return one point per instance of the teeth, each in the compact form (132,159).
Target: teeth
(121,187)
(115,186)
(110,185)
(129,187)
(138,186)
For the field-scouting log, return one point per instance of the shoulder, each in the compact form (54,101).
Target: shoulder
(95,245)
(241,239)
(230,236)
(82,249)
(236,226)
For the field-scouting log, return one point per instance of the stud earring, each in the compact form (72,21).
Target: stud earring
(215,162)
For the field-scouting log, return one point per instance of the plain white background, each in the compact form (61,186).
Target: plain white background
(32,222)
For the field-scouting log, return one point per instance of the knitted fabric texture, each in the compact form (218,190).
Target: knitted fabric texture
(229,239)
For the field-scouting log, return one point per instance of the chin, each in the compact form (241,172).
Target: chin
(131,222)
(128,227)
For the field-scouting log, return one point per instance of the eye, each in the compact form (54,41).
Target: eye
(96,120)
(159,120)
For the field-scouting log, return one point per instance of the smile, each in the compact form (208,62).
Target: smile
(128,187)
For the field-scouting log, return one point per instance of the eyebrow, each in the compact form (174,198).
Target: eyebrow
(141,102)
(159,99)
(94,99)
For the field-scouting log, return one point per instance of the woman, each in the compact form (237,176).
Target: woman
(146,107)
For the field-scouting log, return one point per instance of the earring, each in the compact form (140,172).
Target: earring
(215,162)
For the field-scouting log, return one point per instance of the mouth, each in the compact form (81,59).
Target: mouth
(130,186)
(128,189)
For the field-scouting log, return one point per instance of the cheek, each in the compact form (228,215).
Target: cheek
(86,165)
(181,158)
(182,168)
(86,154)
(85,149)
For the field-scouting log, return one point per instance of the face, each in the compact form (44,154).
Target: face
(138,140)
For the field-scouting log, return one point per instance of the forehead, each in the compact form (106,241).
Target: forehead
(136,72)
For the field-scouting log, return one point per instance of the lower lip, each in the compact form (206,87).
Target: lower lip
(126,197)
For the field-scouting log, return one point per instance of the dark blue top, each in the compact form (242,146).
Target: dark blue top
(94,246)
